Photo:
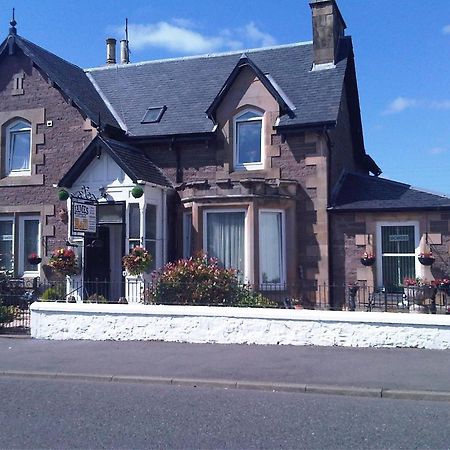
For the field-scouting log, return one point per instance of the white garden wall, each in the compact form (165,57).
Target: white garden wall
(199,324)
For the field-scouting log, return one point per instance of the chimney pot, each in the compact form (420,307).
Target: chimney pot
(111,51)
(124,53)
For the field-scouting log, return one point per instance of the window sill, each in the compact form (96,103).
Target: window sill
(27,180)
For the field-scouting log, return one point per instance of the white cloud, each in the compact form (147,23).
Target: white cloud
(180,36)
(254,34)
(446,29)
(401,104)
(437,150)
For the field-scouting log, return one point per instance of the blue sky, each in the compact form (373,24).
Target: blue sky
(402,52)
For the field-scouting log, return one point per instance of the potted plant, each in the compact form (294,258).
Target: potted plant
(368,259)
(34,259)
(64,261)
(417,291)
(137,261)
(426,258)
(443,284)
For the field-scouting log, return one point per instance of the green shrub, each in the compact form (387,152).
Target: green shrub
(96,298)
(201,281)
(53,293)
(7,314)
(250,299)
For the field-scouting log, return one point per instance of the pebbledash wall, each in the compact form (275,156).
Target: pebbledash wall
(198,324)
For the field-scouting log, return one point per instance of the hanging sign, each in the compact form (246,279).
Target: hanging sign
(84,216)
(83,213)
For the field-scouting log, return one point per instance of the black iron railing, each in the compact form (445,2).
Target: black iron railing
(17,295)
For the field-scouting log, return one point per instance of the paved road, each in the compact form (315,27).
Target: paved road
(389,368)
(62,414)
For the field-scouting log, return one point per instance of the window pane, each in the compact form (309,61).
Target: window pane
(271,247)
(248,115)
(396,269)
(225,239)
(134,221)
(398,239)
(150,246)
(249,142)
(31,242)
(110,213)
(187,233)
(19,157)
(150,222)
(6,245)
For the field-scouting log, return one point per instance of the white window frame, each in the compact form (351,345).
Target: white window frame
(251,165)
(21,246)
(379,254)
(27,127)
(11,219)
(246,234)
(283,249)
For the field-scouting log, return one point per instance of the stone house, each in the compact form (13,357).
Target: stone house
(256,157)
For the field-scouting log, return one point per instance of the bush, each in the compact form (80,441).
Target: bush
(7,314)
(201,281)
(54,293)
(96,298)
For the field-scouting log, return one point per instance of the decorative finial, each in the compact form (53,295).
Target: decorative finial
(13,23)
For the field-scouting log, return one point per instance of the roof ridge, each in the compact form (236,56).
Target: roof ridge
(202,56)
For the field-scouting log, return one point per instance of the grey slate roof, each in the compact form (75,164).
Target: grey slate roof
(133,161)
(356,192)
(188,86)
(71,79)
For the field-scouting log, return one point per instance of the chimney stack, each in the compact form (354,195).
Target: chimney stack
(328,28)
(110,51)
(124,53)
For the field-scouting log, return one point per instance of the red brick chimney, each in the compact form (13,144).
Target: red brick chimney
(328,28)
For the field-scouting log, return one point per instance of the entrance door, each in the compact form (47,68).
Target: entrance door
(97,268)
(398,244)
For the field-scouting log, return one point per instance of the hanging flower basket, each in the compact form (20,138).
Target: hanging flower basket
(34,259)
(63,261)
(368,259)
(137,191)
(426,258)
(63,195)
(137,261)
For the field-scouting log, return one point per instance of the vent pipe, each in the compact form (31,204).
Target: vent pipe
(124,53)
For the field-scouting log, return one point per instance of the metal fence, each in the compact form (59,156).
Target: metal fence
(17,295)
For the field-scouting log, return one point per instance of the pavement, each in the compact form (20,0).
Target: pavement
(371,372)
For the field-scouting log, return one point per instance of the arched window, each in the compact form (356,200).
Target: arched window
(248,140)
(18,148)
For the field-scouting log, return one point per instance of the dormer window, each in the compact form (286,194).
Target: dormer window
(248,140)
(18,148)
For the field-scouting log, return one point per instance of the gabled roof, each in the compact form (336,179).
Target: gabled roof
(133,161)
(356,192)
(70,79)
(189,86)
(286,106)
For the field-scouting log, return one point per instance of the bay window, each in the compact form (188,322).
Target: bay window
(150,233)
(23,235)
(6,244)
(224,238)
(272,260)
